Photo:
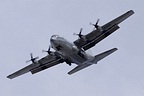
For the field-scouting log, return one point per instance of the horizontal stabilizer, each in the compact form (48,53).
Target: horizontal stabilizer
(97,58)
(78,68)
(104,54)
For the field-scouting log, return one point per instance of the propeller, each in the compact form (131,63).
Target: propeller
(96,24)
(79,34)
(48,51)
(32,58)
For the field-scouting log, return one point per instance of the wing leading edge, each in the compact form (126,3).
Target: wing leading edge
(94,37)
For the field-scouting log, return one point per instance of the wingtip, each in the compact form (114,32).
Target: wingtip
(9,77)
(131,11)
(69,73)
(115,49)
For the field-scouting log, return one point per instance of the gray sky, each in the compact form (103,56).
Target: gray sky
(27,25)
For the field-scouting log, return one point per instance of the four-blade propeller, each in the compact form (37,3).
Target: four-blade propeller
(48,51)
(79,34)
(96,24)
(32,59)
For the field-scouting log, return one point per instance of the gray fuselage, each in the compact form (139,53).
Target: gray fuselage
(68,50)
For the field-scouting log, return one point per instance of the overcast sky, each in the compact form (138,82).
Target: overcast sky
(27,25)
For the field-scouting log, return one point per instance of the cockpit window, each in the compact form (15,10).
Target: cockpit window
(60,38)
(54,36)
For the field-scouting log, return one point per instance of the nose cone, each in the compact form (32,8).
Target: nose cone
(54,37)
(53,40)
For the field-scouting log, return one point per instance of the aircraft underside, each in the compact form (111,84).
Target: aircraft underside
(75,52)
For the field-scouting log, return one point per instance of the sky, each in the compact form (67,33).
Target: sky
(27,25)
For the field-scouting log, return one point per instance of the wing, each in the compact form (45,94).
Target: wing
(42,64)
(91,39)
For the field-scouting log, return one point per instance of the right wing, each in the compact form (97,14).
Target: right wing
(92,38)
(42,64)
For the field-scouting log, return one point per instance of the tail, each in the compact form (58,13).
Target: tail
(94,61)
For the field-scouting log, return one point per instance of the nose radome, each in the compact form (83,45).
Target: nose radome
(53,41)
(53,38)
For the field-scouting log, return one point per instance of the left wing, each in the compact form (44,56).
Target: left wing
(42,64)
(91,39)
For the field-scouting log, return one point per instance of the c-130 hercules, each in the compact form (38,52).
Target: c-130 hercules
(74,52)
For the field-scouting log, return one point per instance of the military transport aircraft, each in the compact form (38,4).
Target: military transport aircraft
(74,52)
